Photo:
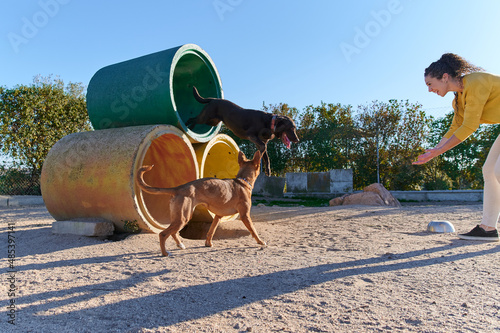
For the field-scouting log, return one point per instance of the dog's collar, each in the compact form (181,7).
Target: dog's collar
(245,182)
(273,123)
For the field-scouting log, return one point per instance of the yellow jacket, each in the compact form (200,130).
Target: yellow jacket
(479,103)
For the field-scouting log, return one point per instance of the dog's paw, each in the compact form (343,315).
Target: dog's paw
(208,244)
(181,246)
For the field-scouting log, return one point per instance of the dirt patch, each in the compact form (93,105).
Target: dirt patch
(327,269)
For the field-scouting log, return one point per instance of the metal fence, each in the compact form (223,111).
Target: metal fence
(16,181)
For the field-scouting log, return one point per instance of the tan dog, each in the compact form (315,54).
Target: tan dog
(222,197)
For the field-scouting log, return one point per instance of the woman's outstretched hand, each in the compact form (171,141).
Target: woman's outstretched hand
(427,156)
(443,146)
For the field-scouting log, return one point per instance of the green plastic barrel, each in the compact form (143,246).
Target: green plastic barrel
(155,89)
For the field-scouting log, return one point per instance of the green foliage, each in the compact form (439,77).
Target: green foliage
(397,130)
(462,165)
(435,178)
(333,136)
(14,181)
(33,118)
(326,133)
(131,226)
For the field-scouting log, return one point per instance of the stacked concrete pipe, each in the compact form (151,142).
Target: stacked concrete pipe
(138,109)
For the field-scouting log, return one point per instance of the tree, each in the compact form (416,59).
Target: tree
(437,176)
(462,164)
(326,132)
(378,123)
(395,132)
(33,118)
(332,136)
(408,143)
(282,159)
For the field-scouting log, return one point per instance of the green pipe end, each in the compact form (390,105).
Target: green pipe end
(155,89)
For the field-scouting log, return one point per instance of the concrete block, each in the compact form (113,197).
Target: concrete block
(4,201)
(341,175)
(296,182)
(83,228)
(449,195)
(341,181)
(318,182)
(337,188)
(440,195)
(25,200)
(269,186)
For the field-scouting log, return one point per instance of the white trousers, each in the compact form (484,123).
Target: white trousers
(491,196)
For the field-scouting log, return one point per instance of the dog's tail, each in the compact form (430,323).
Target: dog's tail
(147,188)
(199,98)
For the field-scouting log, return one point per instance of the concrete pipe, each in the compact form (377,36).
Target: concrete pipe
(92,174)
(155,89)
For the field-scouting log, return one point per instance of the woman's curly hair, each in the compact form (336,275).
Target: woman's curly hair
(454,65)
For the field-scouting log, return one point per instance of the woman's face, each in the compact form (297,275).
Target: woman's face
(438,86)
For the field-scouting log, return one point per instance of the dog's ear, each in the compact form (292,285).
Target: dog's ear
(281,123)
(256,157)
(241,157)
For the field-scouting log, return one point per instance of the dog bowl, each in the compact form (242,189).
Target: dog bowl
(440,226)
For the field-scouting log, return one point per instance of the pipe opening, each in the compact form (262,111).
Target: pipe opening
(219,159)
(155,89)
(192,70)
(174,165)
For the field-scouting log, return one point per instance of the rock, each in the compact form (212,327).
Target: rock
(338,201)
(372,195)
(364,198)
(386,196)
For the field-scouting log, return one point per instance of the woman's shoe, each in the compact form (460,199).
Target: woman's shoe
(480,234)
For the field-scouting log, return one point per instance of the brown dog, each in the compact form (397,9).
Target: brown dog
(257,126)
(222,197)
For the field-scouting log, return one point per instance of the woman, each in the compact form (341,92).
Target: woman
(477,101)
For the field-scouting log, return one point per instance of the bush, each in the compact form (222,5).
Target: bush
(18,182)
(439,181)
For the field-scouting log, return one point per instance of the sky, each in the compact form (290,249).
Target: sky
(266,51)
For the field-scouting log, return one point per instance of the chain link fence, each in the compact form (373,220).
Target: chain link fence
(18,181)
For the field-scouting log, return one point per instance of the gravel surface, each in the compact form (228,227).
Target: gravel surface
(328,269)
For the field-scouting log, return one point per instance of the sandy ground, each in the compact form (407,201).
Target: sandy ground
(330,269)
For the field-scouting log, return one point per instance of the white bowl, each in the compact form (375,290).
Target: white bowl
(440,226)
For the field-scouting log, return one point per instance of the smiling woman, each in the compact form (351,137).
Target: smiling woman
(477,101)
(446,74)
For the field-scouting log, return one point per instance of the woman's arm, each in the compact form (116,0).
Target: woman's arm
(443,146)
